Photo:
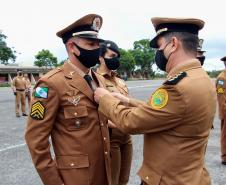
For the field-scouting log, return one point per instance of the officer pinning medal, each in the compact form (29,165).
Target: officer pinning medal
(81,116)
(175,133)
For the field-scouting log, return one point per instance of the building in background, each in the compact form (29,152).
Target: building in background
(8,72)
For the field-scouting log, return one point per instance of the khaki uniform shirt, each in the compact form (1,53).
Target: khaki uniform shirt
(115,84)
(112,82)
(221,94)
(63,107)
(176,123)
(19,83)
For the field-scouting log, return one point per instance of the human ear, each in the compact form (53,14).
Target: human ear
(175,44)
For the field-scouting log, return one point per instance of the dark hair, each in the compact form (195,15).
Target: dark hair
(189,41)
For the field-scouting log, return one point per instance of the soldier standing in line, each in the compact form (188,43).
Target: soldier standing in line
(120,143)
(19,87)
(28,89)
(221,96)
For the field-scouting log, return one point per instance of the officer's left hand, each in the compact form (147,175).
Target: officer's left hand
(100,92)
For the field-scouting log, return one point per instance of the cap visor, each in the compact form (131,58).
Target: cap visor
(153,43)
(91,37)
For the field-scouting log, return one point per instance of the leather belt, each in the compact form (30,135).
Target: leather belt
(20,89)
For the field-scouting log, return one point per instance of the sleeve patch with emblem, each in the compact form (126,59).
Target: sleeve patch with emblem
(159,99)
(220,82)
(37,111)
(41,92)
(220,90)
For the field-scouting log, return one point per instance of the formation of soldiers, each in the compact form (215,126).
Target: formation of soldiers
(90,117)
(21,86)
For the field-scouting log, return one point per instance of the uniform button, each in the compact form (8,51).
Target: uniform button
(146,177)
(106,153)
(77,123)
(105,138)
(101,124)
(72,164)
(75,113)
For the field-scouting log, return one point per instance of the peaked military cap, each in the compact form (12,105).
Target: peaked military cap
(166,25)
(110,45)
(223,59)
(85,27)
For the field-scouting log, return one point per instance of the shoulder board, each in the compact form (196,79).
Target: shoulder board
(116,74)
(120,81)
(174,80)
(53,72)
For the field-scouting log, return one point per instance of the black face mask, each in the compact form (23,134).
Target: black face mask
(88,58)
(20,74)
(201,59)
(112,63)
(160,58)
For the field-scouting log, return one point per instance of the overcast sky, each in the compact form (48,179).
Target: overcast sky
(32,25)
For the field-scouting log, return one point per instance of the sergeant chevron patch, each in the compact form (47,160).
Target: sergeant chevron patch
(174,80)
(37,111)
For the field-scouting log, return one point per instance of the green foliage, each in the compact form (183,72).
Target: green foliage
(214,73)
(45,58)
(127,62)
(4,85)
(144,57)
(6,53)
(61,62)
(160,75)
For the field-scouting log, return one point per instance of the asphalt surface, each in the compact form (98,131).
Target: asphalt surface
(16,167)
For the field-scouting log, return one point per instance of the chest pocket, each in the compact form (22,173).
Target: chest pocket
(122,86)
(76,117)
(124,90)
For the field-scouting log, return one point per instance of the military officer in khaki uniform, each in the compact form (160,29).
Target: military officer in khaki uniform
(177,119)
(120,143)
(200,53)
(64,109)
(19,87)
(221,96)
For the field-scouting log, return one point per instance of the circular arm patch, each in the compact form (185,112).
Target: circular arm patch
(159,99)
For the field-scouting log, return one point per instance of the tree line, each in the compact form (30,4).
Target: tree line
(134,63)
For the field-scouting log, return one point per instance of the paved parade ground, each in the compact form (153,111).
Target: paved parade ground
(16,167)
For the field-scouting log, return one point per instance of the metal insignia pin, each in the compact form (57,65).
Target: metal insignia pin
(71,73)
(96,24)
(74,101)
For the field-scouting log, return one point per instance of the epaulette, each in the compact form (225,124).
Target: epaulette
(121,82)
(174,80)
(53,72)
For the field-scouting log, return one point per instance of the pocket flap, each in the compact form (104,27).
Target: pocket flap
(149,176)
(75,112)
(70,162)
